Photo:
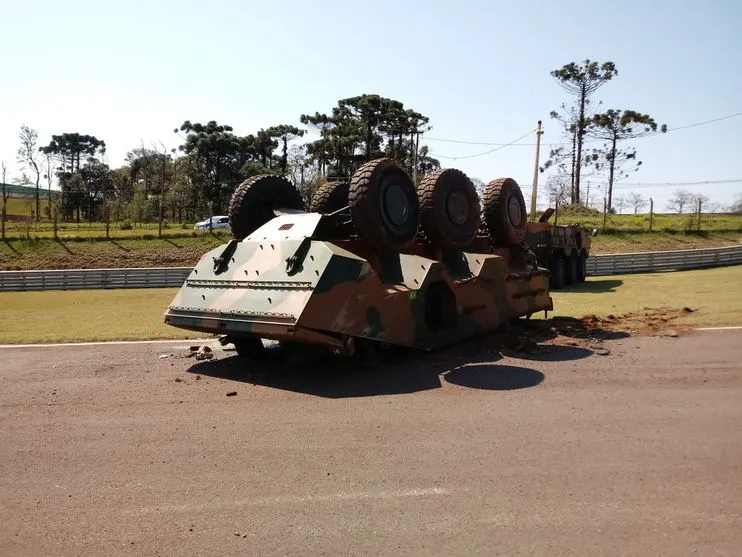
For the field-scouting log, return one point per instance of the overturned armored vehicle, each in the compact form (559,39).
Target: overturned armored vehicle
(371,260)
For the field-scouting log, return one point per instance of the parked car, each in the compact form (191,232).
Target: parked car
(220,221)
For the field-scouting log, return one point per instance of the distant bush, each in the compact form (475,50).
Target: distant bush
(126,225)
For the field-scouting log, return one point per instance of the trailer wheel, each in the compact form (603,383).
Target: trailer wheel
(249,347)
(505,212)
(449,208)
(556,280)
(254,201)
(383,205)
(329,197)
(570,272)
(581,267)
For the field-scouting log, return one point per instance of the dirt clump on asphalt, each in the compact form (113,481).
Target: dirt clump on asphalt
(648,321)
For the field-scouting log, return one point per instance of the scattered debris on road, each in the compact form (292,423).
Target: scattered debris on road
(200,352)
(232,393)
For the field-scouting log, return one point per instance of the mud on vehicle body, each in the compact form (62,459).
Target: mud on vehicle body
(376,260)
(563,249)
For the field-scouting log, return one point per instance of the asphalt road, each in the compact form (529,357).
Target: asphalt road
(112,450)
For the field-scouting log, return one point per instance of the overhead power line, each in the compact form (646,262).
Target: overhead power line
(501,146)
(730,181)
(706,122)
(599,183)
(727,117)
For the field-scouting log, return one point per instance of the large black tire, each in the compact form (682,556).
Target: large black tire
(570,265)
(557,279)
(449,208)
(581,267)
(329,197)
(384,205)
(255,199)
(505,212)
(249,348)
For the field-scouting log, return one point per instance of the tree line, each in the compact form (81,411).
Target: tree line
(198,177)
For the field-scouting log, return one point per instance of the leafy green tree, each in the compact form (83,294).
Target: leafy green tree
(426,163)
(98,181)
(69,148)
(261,147)
(285,133)
(362,128)
(217,157)
(373,114)
(341,137)
(582,80)
(150,168)
(617,125)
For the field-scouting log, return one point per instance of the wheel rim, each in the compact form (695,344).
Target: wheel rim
(457,208)
(514,213)
(395,206)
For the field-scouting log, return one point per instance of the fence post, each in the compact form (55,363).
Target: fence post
(699,214)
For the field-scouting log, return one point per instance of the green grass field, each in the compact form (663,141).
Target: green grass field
(67,316)
(165,252)
(77,232)
(660,222)
(24,206)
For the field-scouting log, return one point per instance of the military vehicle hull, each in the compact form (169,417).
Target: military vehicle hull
(357,268)
(335,296)
(563,249)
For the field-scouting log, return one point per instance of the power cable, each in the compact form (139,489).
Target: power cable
(727,117)
(501,146)
(600,183)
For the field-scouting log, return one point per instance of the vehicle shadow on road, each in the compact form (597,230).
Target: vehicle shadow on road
(593,286)
(494,377)
(398,373)
(589,328)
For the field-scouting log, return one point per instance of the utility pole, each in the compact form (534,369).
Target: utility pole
(534,190)
(651,213)
(699,214)
(414,163)
(605,211)
(587,202)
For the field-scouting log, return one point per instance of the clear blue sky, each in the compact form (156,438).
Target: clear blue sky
(131,72)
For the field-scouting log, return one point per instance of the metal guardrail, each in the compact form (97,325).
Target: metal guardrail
(89,279)
(169,277)
(650,261)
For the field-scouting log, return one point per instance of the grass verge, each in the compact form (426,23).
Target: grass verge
(97,315)
(87,315)
(711,294)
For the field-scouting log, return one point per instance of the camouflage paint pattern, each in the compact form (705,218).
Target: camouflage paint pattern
(545,238)
(334,294)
